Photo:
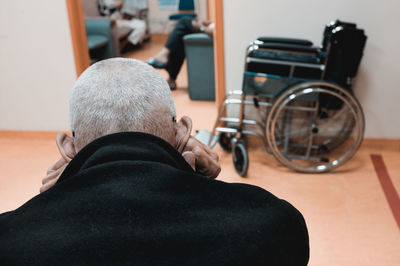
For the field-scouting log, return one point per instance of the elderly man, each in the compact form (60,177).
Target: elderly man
(133,187)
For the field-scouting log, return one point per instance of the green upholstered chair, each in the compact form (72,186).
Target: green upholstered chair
(118,34)
(200,66)
(99,37)
(186,9)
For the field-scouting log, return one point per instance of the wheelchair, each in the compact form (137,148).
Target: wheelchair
(298,99)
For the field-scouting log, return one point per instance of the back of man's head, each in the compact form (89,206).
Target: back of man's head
(117,95)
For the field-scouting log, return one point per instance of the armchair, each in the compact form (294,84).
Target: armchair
(118,34)
(99,37)
(200,66)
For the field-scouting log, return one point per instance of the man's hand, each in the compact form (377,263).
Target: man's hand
(201,158)
(206,23)
(210,29)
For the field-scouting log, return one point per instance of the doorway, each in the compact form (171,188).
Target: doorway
(211,9)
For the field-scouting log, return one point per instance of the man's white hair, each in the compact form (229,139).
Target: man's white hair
(117,95)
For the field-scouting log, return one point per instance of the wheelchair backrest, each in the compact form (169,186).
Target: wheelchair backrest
(331,26)
(344,44)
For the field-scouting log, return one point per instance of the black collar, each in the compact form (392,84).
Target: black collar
(125,146)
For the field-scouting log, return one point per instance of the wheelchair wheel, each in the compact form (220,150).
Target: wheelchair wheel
(315,127)
(240,157)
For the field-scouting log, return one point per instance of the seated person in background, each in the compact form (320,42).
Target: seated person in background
(138,189)
(115,10)
(109,7)
(172,55)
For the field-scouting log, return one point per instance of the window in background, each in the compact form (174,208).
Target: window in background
(168,4)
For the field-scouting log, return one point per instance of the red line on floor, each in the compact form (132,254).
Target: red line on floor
(387,186)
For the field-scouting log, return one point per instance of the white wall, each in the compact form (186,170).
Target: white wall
(378,80)
(158,18)
(37,68)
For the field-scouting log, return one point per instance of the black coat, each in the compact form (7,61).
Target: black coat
(131,199)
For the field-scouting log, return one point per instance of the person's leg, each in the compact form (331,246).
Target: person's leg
(175,62)
(176,48)
(161,57)
(172,55)
(183,27)
(175,39)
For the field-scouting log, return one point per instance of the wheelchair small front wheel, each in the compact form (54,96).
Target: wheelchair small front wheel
(240,157)
(225,141)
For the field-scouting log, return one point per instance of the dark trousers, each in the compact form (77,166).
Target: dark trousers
(176,47)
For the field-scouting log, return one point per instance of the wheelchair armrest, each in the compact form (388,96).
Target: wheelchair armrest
(286,41)
(289,47)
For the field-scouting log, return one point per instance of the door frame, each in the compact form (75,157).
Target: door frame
(215,11)
(78,35)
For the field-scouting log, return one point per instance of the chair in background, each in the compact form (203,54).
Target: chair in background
(118,34)
(99,37)
(186,10)
(200,66)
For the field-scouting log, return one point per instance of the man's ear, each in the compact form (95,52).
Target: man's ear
(182,135)
(66,146)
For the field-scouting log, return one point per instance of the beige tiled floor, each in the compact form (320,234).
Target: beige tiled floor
(348,216)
